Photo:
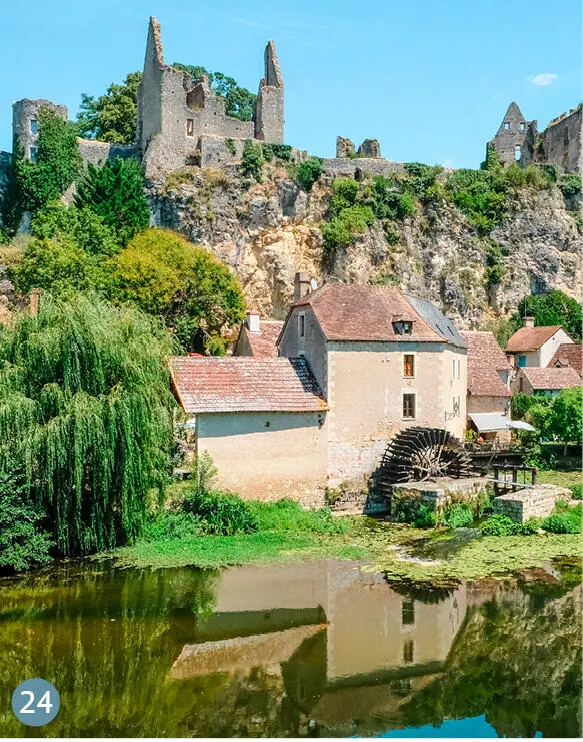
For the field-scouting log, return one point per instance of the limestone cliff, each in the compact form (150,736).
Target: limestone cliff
(268,231)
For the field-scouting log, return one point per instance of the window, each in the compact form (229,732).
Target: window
(33,153)
(408,365)
(521,361)
(453,369)
(267,424)
(522,126)
(507,125)
(189,127)
(408,612)
(403,327)
(517,152)
(301,325)
(409,406)
(459,369)
(33,126)
(408,651)
(407,328)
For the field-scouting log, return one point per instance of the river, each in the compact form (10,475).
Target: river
(310,649)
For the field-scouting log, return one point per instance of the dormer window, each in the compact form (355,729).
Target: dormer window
(403,327)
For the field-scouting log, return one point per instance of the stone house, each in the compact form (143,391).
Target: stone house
(568,354)
(357,364)
(488,404)
(257,337)
(535,346)
(532,380)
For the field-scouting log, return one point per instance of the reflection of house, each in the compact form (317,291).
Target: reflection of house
(568,354)
(346,644)
(258,338)
(356,365)
(488,386)
(535,346)
(545,380)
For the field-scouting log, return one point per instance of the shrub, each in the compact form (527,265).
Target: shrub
(115,192)
(82,225)
(282,151)
(174,525)
(498,525)
(458,515)
(495,266)
(23,542)
(529,527)
(252,160)
(288,516)
(425,517)
(308,171)
(570,184)
(220,513)
(231,146)
(568,521)
(577,490)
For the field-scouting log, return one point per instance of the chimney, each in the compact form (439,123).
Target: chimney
(252,320)
(33,301)
(302,285)
(528,322)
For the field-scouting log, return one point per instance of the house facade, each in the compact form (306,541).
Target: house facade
(356,365)
(535,346)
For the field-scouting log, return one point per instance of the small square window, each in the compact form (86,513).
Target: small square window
(522,127)
(409,406)
(189,127)
(507,125)
(408,651)
(408,612)
(267,424)
(407,328)
(409,365)
(33,154)
(301,325)
(33,126)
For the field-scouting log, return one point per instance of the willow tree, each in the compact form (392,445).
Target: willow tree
(85,406)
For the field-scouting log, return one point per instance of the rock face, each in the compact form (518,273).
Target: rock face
(268,232)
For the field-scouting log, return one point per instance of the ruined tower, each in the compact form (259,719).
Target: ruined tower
(269,117)
(25,123)
(510,137)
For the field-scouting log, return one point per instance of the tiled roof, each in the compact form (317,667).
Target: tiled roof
(243,384)
(530,338)
(353,312)
(485,359)
(551,378)
(569,354)
(263,343)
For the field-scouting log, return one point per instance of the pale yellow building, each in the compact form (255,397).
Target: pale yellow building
(355,365)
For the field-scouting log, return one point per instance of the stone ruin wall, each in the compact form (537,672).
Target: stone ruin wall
(561,141)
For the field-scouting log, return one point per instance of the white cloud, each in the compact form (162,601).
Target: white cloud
(543,79)
(447,163)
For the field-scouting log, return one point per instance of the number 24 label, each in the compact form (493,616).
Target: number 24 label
(35,702)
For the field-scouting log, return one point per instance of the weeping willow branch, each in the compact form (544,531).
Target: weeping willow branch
(85,407)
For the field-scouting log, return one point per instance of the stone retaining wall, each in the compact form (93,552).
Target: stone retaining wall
(407,498)
(536,502)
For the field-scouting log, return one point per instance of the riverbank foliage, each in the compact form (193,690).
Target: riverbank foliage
(86,408)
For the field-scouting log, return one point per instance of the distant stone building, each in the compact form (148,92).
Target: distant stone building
(535,346)
(518,140)
(550,381)
(357,364)
(257,337)
(489,373)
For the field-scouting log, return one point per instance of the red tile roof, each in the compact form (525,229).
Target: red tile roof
(243,384)
(551,378)
(569,354)
(263,343)
(485,359)
(530,338)
(356,312)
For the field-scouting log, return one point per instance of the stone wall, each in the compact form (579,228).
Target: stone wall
(438,494)
(511,135)
(561,141)
(335,166)
(98,152)
(534,502)
(25,115)
(269,116)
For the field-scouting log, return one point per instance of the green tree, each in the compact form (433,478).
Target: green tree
(565,421)
(196,294)
(84,226)
(115,192)
(57,164)
(86,407)
(551,308)
(112,116)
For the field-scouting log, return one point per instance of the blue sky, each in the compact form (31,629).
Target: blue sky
(430,79)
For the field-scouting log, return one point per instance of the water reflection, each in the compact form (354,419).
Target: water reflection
(292,650)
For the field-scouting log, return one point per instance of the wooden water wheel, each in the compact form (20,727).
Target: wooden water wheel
(418,454)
